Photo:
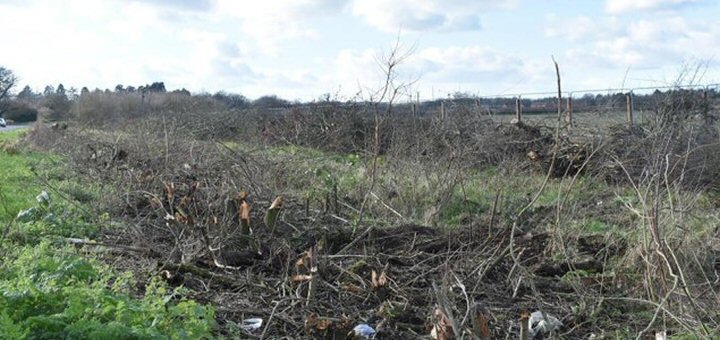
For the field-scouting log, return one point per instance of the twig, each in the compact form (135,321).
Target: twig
(78,241)
(356,240)
(387,206)
(272,313)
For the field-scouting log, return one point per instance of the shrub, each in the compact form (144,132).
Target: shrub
(20,113)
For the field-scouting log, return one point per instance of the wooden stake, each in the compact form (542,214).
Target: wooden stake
(518,110)
(336,206)
(568,111)
(442,110)
(629,101)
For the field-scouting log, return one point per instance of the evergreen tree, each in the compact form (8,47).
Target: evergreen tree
(49,91)
(27,95)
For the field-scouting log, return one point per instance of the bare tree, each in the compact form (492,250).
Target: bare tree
(381,102)
(7,82)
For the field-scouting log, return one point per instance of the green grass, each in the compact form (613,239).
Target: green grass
(18,185)
(48,290)
(12,134)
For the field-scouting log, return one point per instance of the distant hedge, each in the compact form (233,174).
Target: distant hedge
(20,113)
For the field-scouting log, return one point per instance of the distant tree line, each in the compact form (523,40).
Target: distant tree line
(57,102)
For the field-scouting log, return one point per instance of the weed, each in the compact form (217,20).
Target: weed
(48,291)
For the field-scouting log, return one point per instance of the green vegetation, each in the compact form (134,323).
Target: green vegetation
(20,113)
(18,185)
(50,291)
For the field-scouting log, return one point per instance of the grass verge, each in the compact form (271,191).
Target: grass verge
(48,290)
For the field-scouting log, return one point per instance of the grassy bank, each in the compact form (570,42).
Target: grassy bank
(51,290)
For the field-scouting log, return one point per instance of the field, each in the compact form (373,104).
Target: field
(319,218)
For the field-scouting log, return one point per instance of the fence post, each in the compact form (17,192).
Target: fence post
(414,109)
(518,110)
(442,110)
(568,110)
(629,101)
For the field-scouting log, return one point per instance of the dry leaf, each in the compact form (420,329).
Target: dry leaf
(170,191)
(306,261)
(379,281)
(533,155)
(300,263)
(323,325)
(273,212)
(481,326)
(310,322)
(443,328)
(245,211)
(245,217)
(181,218)
(313,324)
(155,203)
(277,203)
(352,288)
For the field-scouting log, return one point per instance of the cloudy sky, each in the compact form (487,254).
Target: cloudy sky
(302,49)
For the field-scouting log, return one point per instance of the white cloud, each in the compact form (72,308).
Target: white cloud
(426,15)
(433,71)
(357,70)
(189,5)
(580,28)
(467,63)
(271,22)
(625,6)
(608,42)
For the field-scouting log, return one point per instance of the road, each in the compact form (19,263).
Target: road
(13,127)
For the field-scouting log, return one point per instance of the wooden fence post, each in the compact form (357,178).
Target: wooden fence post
(442,110)
(518,110)
(568,110)
(629,101)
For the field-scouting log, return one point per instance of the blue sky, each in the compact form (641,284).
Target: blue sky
(303,49)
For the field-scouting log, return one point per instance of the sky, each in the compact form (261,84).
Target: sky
(307,49)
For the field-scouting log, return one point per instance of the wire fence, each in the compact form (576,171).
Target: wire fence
(620,104)
(588,107)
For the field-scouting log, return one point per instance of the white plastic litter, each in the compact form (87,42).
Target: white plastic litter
(27,214)
(43,198)
(251,325)
(364,331)
(538,324)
